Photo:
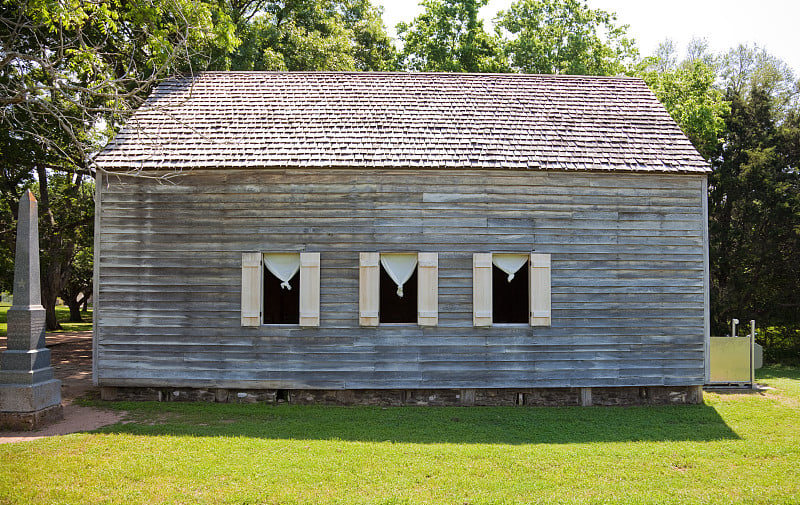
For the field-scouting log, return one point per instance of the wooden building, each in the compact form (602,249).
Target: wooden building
(255,233)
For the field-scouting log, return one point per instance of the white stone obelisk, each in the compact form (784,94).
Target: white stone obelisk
(29,395)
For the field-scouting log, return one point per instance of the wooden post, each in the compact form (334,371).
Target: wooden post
(752,354)
(586,397)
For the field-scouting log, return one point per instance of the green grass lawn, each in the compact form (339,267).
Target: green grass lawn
(62,314)
(736,448)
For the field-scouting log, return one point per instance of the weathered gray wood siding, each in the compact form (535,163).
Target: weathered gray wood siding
(628,260)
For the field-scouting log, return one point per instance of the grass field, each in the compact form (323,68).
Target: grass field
(736,448)
(62,314)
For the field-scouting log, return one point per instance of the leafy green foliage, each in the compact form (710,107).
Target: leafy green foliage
(449,37)
(781,344)
(754,214)
(373,49)
(565,37)
(72,69)
(70,73)
(744,68)
(13,183)
(73,211)
(78,287)
(533,36)
(343,35)
(741,112)
(66,226)
(689,93)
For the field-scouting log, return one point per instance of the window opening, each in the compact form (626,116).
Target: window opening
(281,289)
(510,289)
(398,288)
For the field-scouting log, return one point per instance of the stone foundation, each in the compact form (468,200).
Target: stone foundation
(27,421)
(543,397)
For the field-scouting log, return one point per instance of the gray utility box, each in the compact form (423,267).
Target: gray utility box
(733,359)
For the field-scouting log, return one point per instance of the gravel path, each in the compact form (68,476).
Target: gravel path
(71,357)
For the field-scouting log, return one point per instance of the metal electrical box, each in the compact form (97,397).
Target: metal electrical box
(731,360)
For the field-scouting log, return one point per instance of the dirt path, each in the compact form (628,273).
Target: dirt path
(71,357)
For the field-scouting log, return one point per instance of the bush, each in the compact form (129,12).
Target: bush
(781,344)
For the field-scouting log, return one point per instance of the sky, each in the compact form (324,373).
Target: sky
(772,24)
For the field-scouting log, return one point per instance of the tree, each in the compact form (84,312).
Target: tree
(745,68)
(373,48)
(74,68)
(70,72)
(72,206)
(307,35)
(565,37)
(754,213)
(65,228)
(754,200)
(78,287)
(689,93)
(15,177)
(449,37)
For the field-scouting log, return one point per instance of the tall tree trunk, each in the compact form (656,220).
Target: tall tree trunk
(52,280)
(74,311)
(71,296)
(52,250)
(50,319)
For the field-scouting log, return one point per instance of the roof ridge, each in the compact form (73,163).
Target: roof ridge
(398,73)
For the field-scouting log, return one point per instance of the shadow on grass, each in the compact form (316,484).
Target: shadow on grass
(62,314)
(778,372)
(457,425)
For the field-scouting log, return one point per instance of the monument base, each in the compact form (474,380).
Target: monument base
(28,421)
(30,406)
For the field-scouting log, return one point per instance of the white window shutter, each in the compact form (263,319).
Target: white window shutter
(368,288)
(428,289)
(540,289)
(251,289)
(482,289)
(309,289)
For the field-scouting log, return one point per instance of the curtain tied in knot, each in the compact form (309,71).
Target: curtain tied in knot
(400,268)
(509,263)
(284,266)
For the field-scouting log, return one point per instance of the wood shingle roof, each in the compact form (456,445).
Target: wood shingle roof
(402,120)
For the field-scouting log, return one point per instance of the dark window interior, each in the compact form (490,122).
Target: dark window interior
(281,306)
(394,309)
(510,299)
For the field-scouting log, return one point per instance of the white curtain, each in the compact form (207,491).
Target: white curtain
(284,266)
(400,268)
(509,263)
